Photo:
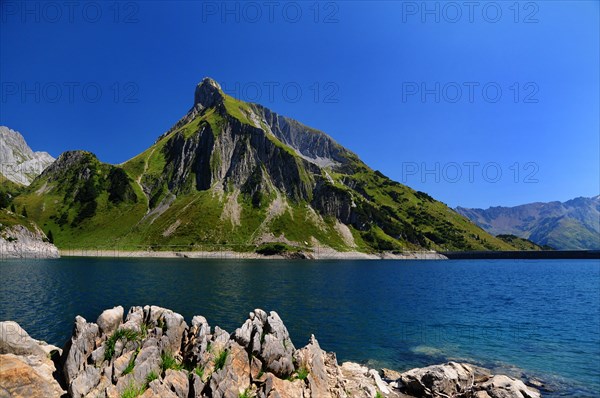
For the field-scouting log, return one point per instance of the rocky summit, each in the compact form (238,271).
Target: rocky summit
(18,162)
(238,174)
(153,352)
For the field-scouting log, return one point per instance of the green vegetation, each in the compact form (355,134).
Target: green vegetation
(132,391)
(220,360)
(270,249)
(379,395)
(150,378)
(119,334)
(163,200)
(302,373)
(199,371)
(246,394)
(130,366)
(168,361)
(10,219)
(522,243)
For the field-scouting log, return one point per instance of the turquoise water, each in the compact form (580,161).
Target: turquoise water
(541,318)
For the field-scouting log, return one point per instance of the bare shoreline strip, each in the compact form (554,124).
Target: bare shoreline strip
(317,255)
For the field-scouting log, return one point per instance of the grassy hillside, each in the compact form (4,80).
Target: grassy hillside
(522,243)
(232,173)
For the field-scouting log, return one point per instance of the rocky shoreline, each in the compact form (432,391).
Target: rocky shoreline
(153,352)
(322,254)
(18,241)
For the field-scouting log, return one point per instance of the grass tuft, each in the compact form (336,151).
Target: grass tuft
(126,334)
(168,361)
(150,378)
(302,373)
(132,391)
(246,394)
(221,359)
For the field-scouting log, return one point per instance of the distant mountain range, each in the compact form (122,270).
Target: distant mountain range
(237,173)
(18,162)
(570,225)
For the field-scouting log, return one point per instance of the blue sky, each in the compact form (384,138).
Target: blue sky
(483,106)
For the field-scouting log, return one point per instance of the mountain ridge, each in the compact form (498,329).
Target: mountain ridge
(570,225)
(231,172)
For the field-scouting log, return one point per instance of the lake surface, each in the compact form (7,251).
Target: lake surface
(539,317)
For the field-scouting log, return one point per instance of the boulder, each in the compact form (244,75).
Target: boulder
(15,340)
(27,377)
(110,320)
(448,379)
(501,386)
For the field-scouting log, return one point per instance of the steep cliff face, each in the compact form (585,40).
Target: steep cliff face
(20,238)
(236,173)
(18,162)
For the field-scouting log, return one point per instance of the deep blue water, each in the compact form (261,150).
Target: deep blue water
(537,317)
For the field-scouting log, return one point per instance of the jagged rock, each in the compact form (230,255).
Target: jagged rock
(234,377)
(177,381)
(78,350)
(312,359)
(84,382)
(110,320)
(278,388)
(112,360)
(173,326)
(134,319)
(19,163)
(267,337)
(157,390)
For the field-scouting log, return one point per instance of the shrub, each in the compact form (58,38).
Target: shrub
(273,248)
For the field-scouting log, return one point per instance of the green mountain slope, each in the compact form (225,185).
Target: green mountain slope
(522,243)
(236,173)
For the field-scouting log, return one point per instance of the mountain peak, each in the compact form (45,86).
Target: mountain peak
(18,162)
(208,93)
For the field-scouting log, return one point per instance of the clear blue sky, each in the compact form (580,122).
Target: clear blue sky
(368,62)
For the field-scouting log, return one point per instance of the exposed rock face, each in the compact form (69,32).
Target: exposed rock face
(18,162)
(154,353)
(26,367)
(18,241)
